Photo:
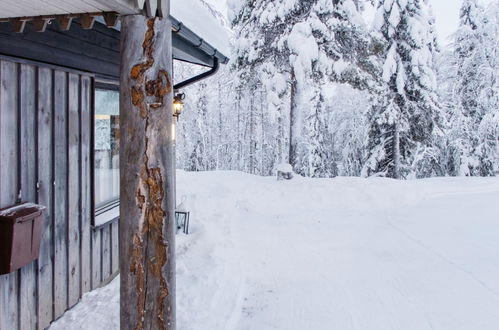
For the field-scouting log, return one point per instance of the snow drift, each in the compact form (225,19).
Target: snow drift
(342,253)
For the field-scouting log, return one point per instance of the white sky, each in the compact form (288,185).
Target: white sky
(447,17)
(446,13)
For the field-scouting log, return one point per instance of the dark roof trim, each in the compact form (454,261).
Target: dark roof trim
(184,51)
(180,30)
(187,45)
(96,50)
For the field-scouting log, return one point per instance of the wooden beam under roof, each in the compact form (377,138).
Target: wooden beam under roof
(40,23)
(103,59)
(29,8)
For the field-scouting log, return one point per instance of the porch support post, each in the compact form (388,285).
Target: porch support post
(147,241)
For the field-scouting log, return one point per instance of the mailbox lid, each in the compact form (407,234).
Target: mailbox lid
(20,213)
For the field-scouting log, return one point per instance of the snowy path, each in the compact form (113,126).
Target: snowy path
(331,254)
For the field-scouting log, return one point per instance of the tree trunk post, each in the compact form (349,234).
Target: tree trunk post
(147,241)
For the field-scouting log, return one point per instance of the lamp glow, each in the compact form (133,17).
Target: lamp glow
(178,104)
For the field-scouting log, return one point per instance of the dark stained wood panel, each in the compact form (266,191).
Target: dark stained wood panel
(95,50)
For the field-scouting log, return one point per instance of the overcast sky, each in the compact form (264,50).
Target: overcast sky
(446,13)
(447,17)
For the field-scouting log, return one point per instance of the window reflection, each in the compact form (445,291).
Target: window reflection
(107,177)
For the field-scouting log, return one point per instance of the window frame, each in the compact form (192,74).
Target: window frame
(105,210)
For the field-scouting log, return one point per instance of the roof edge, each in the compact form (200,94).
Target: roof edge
(183,31)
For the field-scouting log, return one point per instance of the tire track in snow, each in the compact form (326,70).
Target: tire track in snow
(445,259)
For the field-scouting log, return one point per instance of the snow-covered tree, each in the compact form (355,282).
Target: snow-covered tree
(261,64)
(471,92)
(349,127)
(406,117)
(310,84)
(295,50)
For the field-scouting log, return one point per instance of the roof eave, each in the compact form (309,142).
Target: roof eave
(192,38)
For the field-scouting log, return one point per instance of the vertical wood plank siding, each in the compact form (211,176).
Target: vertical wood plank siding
(27,138)
(86,100)
(45,188)
(9,154)
(45,157)
(60,201)
(74,178)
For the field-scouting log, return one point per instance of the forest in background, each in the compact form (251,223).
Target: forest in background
(313,84)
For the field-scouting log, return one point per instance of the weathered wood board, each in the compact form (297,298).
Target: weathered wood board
(60,193)
(74,195)
(9,155)
(27,111)
(45,195)
(45,157)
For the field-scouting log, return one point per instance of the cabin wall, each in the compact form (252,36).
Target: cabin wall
(46,124)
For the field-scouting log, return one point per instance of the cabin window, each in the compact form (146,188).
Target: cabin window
(106,156)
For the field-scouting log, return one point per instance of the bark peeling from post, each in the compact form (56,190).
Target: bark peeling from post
(148,95)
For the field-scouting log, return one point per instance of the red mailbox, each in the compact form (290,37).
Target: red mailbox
(20,233)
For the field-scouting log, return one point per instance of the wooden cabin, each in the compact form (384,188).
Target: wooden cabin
(60,141)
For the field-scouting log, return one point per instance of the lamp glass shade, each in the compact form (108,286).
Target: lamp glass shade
(178,107)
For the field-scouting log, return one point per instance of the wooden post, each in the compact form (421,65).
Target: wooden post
(147,245)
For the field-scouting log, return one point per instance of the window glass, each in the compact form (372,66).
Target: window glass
(107,133)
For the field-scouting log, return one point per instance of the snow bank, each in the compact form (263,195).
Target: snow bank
(343,253)
(284,167)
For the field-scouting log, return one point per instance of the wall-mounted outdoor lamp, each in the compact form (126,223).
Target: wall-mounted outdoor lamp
(178,104)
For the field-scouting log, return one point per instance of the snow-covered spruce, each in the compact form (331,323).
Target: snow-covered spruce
(470,90)
(297,52)
(305,86)
(406,119)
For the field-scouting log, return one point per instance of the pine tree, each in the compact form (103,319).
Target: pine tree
(403,122)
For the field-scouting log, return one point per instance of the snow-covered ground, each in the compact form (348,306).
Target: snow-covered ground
(344,253)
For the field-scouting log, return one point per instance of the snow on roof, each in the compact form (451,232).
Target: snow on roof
(197,16)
